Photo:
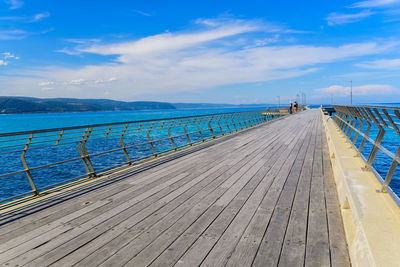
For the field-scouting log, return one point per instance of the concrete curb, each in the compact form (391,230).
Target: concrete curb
(371,219)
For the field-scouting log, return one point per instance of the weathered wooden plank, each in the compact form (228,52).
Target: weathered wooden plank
(249,243)
(125,192)
(264,197)
(293,249)
(175,250)
(27,225)
(317,249)
(271,245)
(241,177)
(337,242)
(223,250)
(96,253)
(50,243)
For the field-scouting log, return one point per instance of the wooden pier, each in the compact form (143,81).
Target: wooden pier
(265,197)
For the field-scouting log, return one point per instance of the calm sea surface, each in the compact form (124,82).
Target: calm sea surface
(18,184)
(26,122)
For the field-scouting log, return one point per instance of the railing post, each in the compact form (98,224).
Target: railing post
(83,157)
(392,169)
(170,136)
(257,117)
(395,163)
(128,160)
(227,124)
(59,137)
(209,126)
(352,126)
(248,118)
(233,122)
(109,130)
(238,118)
(89,162)
(187,135)
(378,140)
(151,142)
(244,120)
(198,128)
(26,167)
(219,125)
(380,117)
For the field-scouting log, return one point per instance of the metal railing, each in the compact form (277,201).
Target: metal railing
(365,127)
(63,155)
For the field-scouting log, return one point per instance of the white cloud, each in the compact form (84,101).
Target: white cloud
(46,83)
(12,18)
(13,34)
(386,64)
(363,90)
(6,57)
(47,88)
(14,4)
(169,41)
(375,3)
(180,62)
(112,79)
(82,41)
(143,13)
(77,81)
(34,18)
(341,19)
(40,16)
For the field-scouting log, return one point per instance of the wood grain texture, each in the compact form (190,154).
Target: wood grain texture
(265,197)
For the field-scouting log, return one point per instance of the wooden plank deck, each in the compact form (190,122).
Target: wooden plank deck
(265,197)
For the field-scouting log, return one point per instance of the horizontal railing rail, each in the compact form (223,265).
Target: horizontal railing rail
(366,128)
(42,159)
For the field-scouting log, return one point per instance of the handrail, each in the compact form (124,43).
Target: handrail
(362,121)
(122,143)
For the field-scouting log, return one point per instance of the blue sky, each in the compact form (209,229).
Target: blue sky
(201,51)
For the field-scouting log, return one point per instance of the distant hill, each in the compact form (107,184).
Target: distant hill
(13,105)
(21,104)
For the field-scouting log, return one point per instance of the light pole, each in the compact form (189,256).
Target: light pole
(303,98)
(351,92)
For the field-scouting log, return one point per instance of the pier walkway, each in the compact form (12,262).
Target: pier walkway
(264,197)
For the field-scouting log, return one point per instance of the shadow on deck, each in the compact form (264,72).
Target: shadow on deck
(265,197)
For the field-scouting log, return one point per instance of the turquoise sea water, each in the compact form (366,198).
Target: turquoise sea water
(18,184)
(26,122)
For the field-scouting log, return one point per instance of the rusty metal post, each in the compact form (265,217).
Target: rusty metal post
(234,125)
(187,134)
(151,142)
(227,124)
(170,136)
(89,162)
(209,126)
(220,128)
(26,167)
(109,130)
(128,160)
(198,128)
(59,137)
(83,157)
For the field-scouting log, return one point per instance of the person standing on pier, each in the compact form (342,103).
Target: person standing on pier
(296,107)
(291,108)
